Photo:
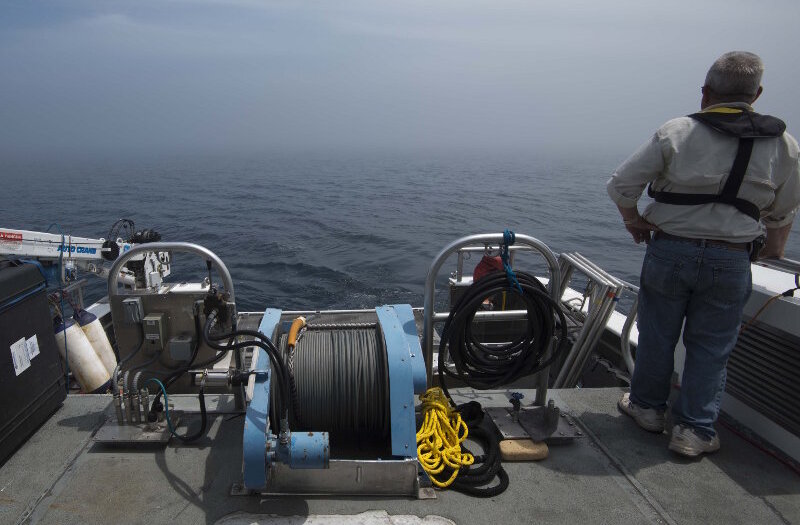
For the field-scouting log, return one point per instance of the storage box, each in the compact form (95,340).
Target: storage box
(32,384)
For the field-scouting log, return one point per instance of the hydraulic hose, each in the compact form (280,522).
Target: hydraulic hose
(260,341)
(482,366)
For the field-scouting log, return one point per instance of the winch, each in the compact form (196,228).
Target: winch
(329,396)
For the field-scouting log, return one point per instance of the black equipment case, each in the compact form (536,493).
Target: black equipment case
(31,376)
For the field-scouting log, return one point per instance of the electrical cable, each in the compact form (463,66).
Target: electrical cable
(169,380)
(118,225)
(787,293)
(203,417)
(218,356)
(482,366)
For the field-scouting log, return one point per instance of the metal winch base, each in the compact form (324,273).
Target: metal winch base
(536,423)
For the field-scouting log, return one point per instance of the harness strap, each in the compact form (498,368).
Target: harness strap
(729,191)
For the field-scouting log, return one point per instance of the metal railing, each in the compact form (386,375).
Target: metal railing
(784,265)
(186,247)
(481,242)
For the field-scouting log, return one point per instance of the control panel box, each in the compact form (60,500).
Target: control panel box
(154,329)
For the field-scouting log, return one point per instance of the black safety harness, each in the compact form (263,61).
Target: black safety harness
(747,126)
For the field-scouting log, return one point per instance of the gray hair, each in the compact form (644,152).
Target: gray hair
(737,73)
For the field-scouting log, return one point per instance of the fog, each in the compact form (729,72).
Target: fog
(109,78)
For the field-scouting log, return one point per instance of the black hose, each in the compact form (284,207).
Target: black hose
(482,366)
(260,341)
(219,355)
(473,480)
(203,422)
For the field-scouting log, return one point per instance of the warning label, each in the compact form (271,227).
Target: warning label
(19,356)
(10,236)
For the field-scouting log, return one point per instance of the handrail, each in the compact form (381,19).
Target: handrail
(472,240)
(784,265)
(113,278)
(625,336)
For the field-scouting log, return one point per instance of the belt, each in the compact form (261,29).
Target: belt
(743,246)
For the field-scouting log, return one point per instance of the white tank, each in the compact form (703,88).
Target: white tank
(94,331)
(83,360)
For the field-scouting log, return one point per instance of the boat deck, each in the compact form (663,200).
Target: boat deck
(618,473)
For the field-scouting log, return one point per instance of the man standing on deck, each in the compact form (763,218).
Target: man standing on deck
(720,179)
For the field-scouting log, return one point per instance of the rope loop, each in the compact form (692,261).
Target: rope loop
(440,437)
(508,239)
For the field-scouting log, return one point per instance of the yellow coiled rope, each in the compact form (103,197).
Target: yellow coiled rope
(440,437)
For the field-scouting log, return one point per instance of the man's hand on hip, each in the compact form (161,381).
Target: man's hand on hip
(640,229)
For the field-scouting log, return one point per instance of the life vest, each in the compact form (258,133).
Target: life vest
(746,126)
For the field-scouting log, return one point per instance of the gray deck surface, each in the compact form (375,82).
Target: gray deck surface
(618,474)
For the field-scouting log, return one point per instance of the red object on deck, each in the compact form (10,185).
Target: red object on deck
(486,266)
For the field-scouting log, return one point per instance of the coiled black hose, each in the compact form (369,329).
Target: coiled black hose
(474,479)
(483,366)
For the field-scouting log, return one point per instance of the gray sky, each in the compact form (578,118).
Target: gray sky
(247,76)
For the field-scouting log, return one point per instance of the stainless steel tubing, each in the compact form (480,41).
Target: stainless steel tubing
(315,312)
(619,285)
(144,396)
(186,247)
(581,341)
(504,315)
(595,330)
(625,336)
(340,326)
(595,321)
(214,378)
(128,411)
(118,408)
(600,296)
(136,409)
(594,333)
(481,240)
(462,251)
(783,264)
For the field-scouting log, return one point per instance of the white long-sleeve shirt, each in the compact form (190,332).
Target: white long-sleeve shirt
(686,156)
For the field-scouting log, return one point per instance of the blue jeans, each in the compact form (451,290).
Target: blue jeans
(708,287)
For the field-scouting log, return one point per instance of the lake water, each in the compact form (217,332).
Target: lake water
(332,231)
